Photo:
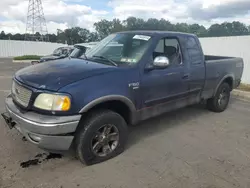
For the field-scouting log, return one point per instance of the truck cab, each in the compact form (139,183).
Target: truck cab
(87,103)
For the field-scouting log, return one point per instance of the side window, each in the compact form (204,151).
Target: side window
(193,51)
(170,48)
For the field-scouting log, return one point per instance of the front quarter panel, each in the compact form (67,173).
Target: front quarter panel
(93,88)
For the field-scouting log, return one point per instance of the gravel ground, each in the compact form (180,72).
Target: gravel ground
(191,147)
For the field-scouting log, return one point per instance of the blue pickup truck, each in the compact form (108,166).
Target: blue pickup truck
(87,103)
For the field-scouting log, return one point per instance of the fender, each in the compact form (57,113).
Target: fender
(107,98)
(231,76)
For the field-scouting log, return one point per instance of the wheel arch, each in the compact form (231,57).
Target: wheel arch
(226,79)
(126,107)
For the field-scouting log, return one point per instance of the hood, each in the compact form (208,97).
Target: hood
(53,76)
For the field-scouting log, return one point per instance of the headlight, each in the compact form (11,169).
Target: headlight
(52,102)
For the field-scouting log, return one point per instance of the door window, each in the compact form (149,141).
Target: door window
(170,48)
(194,51)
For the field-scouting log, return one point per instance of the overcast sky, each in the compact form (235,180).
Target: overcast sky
(66,13)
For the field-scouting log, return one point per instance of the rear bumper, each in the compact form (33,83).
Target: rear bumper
(48,132)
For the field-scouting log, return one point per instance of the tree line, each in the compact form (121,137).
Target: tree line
(105,27)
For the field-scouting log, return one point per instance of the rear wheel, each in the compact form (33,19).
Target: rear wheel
(221,99)
(101,137)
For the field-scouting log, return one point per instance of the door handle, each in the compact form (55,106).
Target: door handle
(185,76)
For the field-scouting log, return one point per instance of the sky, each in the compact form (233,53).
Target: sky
(62,14)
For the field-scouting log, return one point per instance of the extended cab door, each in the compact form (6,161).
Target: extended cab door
(165,89)
(196,63)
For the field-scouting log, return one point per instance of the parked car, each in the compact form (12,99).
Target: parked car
(79,50)
(58,53)
(87,104)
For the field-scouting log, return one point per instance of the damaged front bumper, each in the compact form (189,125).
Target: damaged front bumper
(47,131)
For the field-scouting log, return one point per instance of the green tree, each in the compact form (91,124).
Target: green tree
(38,35)
(228,29)
(151,24)
(116,26)
(3,35)
(18,36)
(9,36)
(93,37)
(84,35)
(239,29)
(130,23)
(165,25)
(103,27)
(69,36)
(133,23)
(52,37)
(197,29)
(182,27)
(106,27)
(61,36)
(217,30)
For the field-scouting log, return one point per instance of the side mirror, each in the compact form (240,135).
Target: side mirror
(84,49)
(161,62)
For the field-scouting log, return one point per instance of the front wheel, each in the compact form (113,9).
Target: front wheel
(221,99)
(102,136)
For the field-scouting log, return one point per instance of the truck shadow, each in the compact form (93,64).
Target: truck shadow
(160,123)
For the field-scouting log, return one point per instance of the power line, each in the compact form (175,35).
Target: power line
(36,27)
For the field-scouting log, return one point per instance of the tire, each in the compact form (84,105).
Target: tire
(221,99)
(91,135)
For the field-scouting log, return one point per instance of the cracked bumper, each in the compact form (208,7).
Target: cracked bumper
(48,132)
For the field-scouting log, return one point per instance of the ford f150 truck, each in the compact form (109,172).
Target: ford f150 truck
(87,103)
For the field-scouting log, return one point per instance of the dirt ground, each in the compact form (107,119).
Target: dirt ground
(191,147)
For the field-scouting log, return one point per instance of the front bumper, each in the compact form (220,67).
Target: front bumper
(48,132)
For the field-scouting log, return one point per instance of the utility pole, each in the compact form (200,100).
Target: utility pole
(36,28)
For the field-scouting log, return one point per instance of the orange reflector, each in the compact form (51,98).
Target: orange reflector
(66,104)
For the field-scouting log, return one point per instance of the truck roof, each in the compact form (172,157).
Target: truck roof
(155,32)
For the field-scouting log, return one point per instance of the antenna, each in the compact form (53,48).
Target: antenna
(36,28)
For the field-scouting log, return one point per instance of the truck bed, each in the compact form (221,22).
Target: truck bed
(218,67)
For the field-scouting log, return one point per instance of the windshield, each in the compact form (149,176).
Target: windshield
(121,48)
(57,51)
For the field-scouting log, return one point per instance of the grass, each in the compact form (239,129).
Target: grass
(244,87)
(27,57)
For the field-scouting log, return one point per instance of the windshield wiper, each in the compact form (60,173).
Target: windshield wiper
(109,60)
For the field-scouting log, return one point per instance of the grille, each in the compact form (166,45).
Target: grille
(21,94)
